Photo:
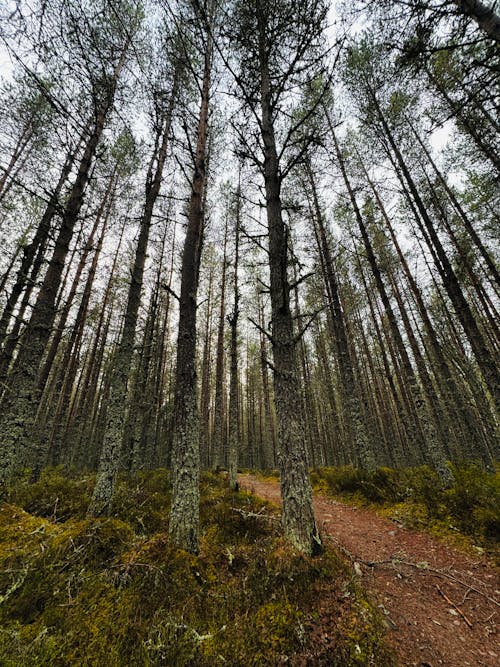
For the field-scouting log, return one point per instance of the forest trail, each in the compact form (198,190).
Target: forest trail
(441,606)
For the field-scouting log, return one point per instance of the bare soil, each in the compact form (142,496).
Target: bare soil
(441,605)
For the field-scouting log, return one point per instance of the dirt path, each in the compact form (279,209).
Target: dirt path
(428,592)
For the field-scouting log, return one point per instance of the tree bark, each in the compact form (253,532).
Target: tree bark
(219,440)
(483,15)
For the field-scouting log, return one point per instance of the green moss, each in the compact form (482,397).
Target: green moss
(57,495)
(365,629)
(115,591)
(143,501)
(278,627)
(92,543)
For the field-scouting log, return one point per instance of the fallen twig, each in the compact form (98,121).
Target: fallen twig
(465,597)
(340,547)
(486,620)
(443,595)
(254,515)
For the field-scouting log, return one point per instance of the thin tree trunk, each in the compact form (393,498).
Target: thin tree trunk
(184,513)
(7,273)
(56,339)
(356,428)
(458,112)
(452,394)
(233,439)
(29,251)
(219,441)
(432,447)
(463,216)
(140,406)
(64,383)
(207,454)
(91,373)
(269,448)
(21,145)
(20,406)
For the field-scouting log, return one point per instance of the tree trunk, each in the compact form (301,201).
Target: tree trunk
(431,445)
(15,335)
(90,374)
(465,122)
(483,15)
(233,444)
(206,452)
(459,410)
(219,440)
(298,513)
(29,252)
(269,445)
(481,352)
(56,339)
(359,442)
(68,366)
(489,261)
(185,511)
(21,404)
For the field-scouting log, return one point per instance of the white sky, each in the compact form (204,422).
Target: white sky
(5,64)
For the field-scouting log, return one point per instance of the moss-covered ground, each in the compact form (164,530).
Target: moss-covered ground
(113,592)
(467,513)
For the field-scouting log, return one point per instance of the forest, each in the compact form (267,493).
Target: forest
(249,332)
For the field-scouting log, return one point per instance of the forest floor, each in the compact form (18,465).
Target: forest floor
(440,603)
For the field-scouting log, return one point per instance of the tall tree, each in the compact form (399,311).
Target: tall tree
(219,426)
(278,48)
(233,418)
(361,63)
(184,513)
(359,443)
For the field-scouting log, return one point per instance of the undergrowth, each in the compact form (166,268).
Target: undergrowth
(416,498)
(114,591)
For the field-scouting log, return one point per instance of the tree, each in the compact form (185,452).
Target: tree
(233,419)
(184,513)
(219,425)
(359,444)
(361,65)
(278,48)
